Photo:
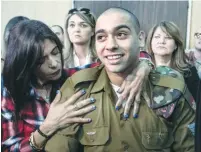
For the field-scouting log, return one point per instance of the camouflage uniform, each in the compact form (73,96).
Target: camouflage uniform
(156,129)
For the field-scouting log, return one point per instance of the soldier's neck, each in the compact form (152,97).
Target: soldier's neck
(118,78)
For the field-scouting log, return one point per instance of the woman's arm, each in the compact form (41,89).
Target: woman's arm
(15,137)
(132,87)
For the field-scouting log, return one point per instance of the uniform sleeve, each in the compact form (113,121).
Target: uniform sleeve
(146,58)
(184,127)
(13,138)
(64,140)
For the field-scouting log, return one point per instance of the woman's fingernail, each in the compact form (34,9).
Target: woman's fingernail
(57,91)
(92,100)
(89,120)
(83,91)
(93,107)
(135,115)
(117,108)
(126,116)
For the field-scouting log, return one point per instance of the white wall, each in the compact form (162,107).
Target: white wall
(50,12)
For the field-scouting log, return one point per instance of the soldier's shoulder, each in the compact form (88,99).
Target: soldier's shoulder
(86,75)
(168,86)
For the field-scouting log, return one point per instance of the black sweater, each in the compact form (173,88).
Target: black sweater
(194,85)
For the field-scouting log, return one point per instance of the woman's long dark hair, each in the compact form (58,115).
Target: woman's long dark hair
(25,48)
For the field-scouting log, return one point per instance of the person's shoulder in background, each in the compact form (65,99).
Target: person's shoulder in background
(192,82)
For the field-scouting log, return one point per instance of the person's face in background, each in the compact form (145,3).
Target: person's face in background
(50,66)
(57,30)
(79,31)
(162,43)
(116,42)
(198,39)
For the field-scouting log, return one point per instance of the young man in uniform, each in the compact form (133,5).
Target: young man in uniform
(163,125)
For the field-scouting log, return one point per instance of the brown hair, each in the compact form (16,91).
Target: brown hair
(179,58)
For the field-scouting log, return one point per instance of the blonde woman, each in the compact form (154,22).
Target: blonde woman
(79,42)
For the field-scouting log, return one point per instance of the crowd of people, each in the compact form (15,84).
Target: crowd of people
(95,86)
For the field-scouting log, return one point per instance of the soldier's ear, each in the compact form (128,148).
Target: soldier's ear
(176,47)
(142,37)
(93,33)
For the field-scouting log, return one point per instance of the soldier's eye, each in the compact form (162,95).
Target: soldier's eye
(122,35)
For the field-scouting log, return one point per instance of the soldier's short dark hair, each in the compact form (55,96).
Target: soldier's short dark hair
(135,20)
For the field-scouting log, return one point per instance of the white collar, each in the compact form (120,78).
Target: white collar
(76,59)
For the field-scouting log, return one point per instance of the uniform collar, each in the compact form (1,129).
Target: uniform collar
(97,76)
(103,83)
(76,59)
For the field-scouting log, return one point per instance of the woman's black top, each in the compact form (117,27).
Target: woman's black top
(194,85)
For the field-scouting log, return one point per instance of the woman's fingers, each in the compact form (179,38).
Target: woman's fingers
(146,97)
(121,89)
(127,108)
(82,111)
(119,102)
(137,104)
(81,104)
(57,98)
(125,92)
(131,102)
(136,109)
(79,120)
(133,97)
(74,97)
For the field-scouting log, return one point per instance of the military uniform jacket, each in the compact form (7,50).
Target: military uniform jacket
(109,132)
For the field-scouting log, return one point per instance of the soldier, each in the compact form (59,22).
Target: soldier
(164,123)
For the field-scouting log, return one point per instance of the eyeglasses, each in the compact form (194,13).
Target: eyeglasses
(198,35)
(82,10)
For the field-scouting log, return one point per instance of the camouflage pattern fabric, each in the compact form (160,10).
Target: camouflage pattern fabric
(168,87)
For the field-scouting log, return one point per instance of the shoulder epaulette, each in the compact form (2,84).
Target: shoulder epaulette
(168,87)
(86,75)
